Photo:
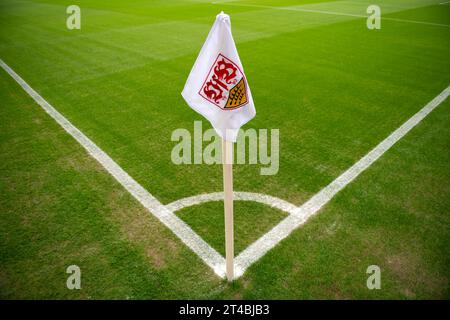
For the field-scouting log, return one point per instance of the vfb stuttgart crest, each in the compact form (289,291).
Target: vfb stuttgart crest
(225,86)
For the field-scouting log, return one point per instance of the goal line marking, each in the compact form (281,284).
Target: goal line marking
(209,255)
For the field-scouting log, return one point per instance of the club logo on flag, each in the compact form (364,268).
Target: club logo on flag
(217,87)
(225,86)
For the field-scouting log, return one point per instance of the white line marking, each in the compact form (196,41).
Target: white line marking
(416,22)
(243,196)
(292,9)
(334,13)
(210,256)
(312,206)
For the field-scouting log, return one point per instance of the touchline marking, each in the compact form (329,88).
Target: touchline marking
(334,13)
(210,256)
(297,215)
(313,205)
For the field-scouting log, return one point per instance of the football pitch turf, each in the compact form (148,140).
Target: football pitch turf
(333,88)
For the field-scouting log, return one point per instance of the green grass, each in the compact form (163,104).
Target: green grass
(60,208)
(332,87)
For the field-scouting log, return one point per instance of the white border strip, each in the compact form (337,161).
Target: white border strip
(209,255)
(312,206)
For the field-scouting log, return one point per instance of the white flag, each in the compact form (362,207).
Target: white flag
(217,87)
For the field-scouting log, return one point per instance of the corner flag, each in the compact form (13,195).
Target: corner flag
(217,89)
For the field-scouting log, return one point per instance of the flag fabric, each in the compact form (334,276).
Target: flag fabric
(217,87)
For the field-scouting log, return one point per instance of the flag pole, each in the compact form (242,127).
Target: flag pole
(227,160)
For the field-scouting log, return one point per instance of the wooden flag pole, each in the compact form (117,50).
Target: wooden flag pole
(227,160)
